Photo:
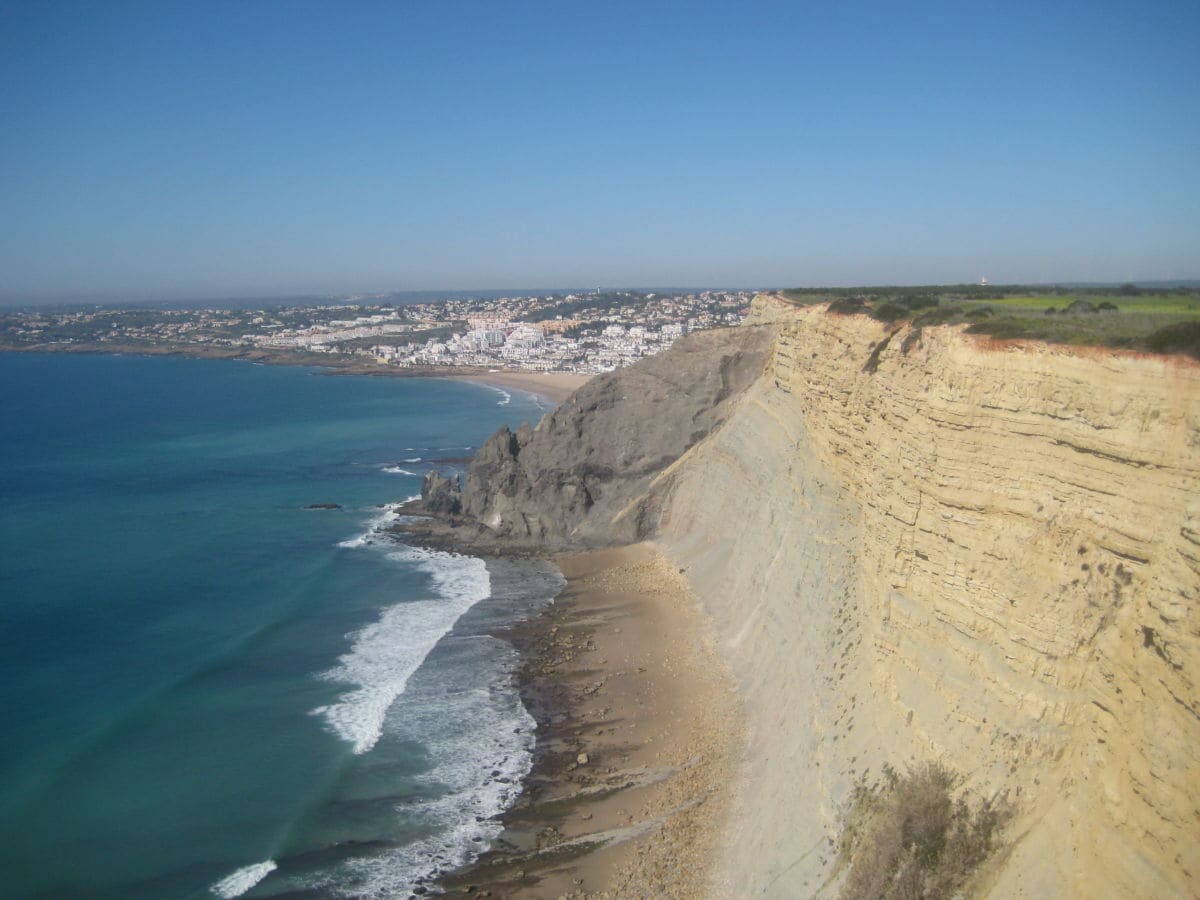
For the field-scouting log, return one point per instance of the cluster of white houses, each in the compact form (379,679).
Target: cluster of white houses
(497,334)
(539,347)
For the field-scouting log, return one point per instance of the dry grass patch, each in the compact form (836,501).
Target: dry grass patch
(909,837)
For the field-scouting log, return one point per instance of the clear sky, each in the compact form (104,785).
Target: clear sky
(210,149)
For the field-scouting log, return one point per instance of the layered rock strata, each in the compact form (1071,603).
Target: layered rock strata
(917,546)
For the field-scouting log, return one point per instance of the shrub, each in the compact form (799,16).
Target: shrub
(890,312)
(909,838)
(1182,337)
(1001,328)
(848,305)
(920,301)
(939,315)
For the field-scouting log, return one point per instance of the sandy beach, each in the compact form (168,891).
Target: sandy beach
(639,740)
(556,386)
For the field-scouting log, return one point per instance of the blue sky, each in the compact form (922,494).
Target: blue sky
(213,149)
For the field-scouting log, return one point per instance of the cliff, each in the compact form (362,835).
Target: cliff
(919,546)
(581,479)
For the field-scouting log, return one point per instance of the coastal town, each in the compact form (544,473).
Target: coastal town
(583,332)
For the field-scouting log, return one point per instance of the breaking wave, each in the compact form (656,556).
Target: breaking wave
(237,883)
(384,655)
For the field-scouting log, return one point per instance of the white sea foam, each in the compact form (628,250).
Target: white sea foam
(396,470)
(413,459)
(237,883)
(496,743)
(462,706)
(384,655)
(375,525)
(480,738)
(505,396)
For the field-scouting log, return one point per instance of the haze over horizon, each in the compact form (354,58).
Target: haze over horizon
(227,150)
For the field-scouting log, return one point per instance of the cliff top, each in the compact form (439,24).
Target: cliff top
(1127,318)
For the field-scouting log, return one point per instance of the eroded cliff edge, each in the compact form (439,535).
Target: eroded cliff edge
(916,547)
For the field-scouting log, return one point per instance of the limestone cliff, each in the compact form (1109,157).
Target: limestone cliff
(924,546)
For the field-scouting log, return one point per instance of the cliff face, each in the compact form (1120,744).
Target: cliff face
(580,479)
(984,555)
(916,547)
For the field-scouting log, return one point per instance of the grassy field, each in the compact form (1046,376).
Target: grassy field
(1170,304)
(1160,322)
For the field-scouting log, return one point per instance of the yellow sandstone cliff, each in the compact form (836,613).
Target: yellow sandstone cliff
(926,547)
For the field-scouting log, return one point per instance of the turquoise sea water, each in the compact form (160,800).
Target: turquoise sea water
(207,689)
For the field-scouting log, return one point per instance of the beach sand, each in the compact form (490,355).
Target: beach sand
(555,386)
(639,740)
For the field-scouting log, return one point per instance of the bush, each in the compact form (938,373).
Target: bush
(920,301)
(1182,337)
(1001,328)
(939,315)
(890,312)
(909,838)
(848,305)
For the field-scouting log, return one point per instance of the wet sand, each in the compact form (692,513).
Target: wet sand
(639,740)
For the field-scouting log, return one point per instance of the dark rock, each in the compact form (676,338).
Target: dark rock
(324,506)
(583,477)
(441,495)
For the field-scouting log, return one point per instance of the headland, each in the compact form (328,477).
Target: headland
(915,548)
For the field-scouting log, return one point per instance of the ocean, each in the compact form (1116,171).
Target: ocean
(208,689)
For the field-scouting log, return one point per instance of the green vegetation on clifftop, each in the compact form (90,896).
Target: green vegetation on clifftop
(1126,317)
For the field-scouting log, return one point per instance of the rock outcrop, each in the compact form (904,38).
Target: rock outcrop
(580,479)
(440,495)
(913,546)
